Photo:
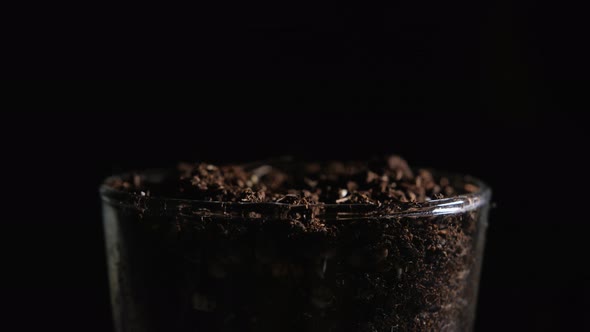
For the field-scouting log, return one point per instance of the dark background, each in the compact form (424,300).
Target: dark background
(484,89)
(534,275)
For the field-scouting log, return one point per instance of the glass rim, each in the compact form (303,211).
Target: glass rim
(161,205)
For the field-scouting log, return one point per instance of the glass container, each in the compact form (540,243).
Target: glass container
(184,265)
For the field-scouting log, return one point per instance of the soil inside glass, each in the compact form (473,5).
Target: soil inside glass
(186,265)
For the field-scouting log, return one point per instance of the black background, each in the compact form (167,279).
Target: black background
(534,269)
(483,89)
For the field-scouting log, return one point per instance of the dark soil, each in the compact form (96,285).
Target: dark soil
(383,181)
(302,271)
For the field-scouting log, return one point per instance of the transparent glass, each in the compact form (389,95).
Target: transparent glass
(183,265)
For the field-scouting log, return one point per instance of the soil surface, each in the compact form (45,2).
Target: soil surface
(382,181)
